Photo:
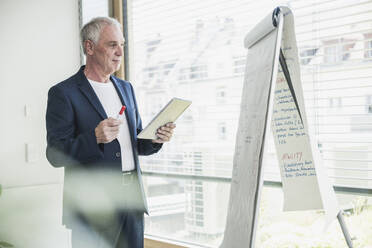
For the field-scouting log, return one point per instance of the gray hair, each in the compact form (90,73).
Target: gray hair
(92,29)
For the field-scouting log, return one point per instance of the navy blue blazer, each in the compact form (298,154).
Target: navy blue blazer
(73,113)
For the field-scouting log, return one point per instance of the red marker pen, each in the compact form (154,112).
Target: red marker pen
(121,112)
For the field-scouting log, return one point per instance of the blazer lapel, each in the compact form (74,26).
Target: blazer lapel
(121,92)
(88,91)
(124,97)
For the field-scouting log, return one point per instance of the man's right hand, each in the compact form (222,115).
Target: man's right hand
(107,130)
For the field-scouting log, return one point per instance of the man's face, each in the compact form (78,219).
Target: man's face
(108,52)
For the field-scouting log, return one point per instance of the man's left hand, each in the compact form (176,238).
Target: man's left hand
(164,133)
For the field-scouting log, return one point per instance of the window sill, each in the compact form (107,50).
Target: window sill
(152,242)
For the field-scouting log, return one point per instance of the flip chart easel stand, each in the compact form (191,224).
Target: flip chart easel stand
(283,64)
(272,98)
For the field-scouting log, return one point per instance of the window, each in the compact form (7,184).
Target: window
(167,68)
(221,94)
(152,45)
(222,131)
(369,104)
(337,50)
(198,72)
(335,102)
(198,196)
(369,49)
(307,54)
(199,223)
(239,65)
(194,72)
(368,45)
(199,210)
(332,54)
(193,39)
(150,72)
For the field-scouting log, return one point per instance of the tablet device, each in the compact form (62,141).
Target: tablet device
(169,113)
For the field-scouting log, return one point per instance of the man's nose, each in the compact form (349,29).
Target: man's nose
(119,51)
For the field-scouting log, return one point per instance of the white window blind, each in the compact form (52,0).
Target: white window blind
(194,50)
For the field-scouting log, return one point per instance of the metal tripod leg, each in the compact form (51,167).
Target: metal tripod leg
(340,218)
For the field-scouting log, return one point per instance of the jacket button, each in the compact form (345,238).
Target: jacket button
(117,154)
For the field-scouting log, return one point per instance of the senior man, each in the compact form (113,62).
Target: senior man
(104,200)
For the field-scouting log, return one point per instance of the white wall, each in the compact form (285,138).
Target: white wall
(39,47)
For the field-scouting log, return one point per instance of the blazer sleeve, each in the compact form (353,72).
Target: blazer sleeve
(64,146)
(144,146)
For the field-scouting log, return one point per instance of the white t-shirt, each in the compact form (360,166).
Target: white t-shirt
(111,103)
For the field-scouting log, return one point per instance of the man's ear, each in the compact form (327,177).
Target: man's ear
(89,47)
